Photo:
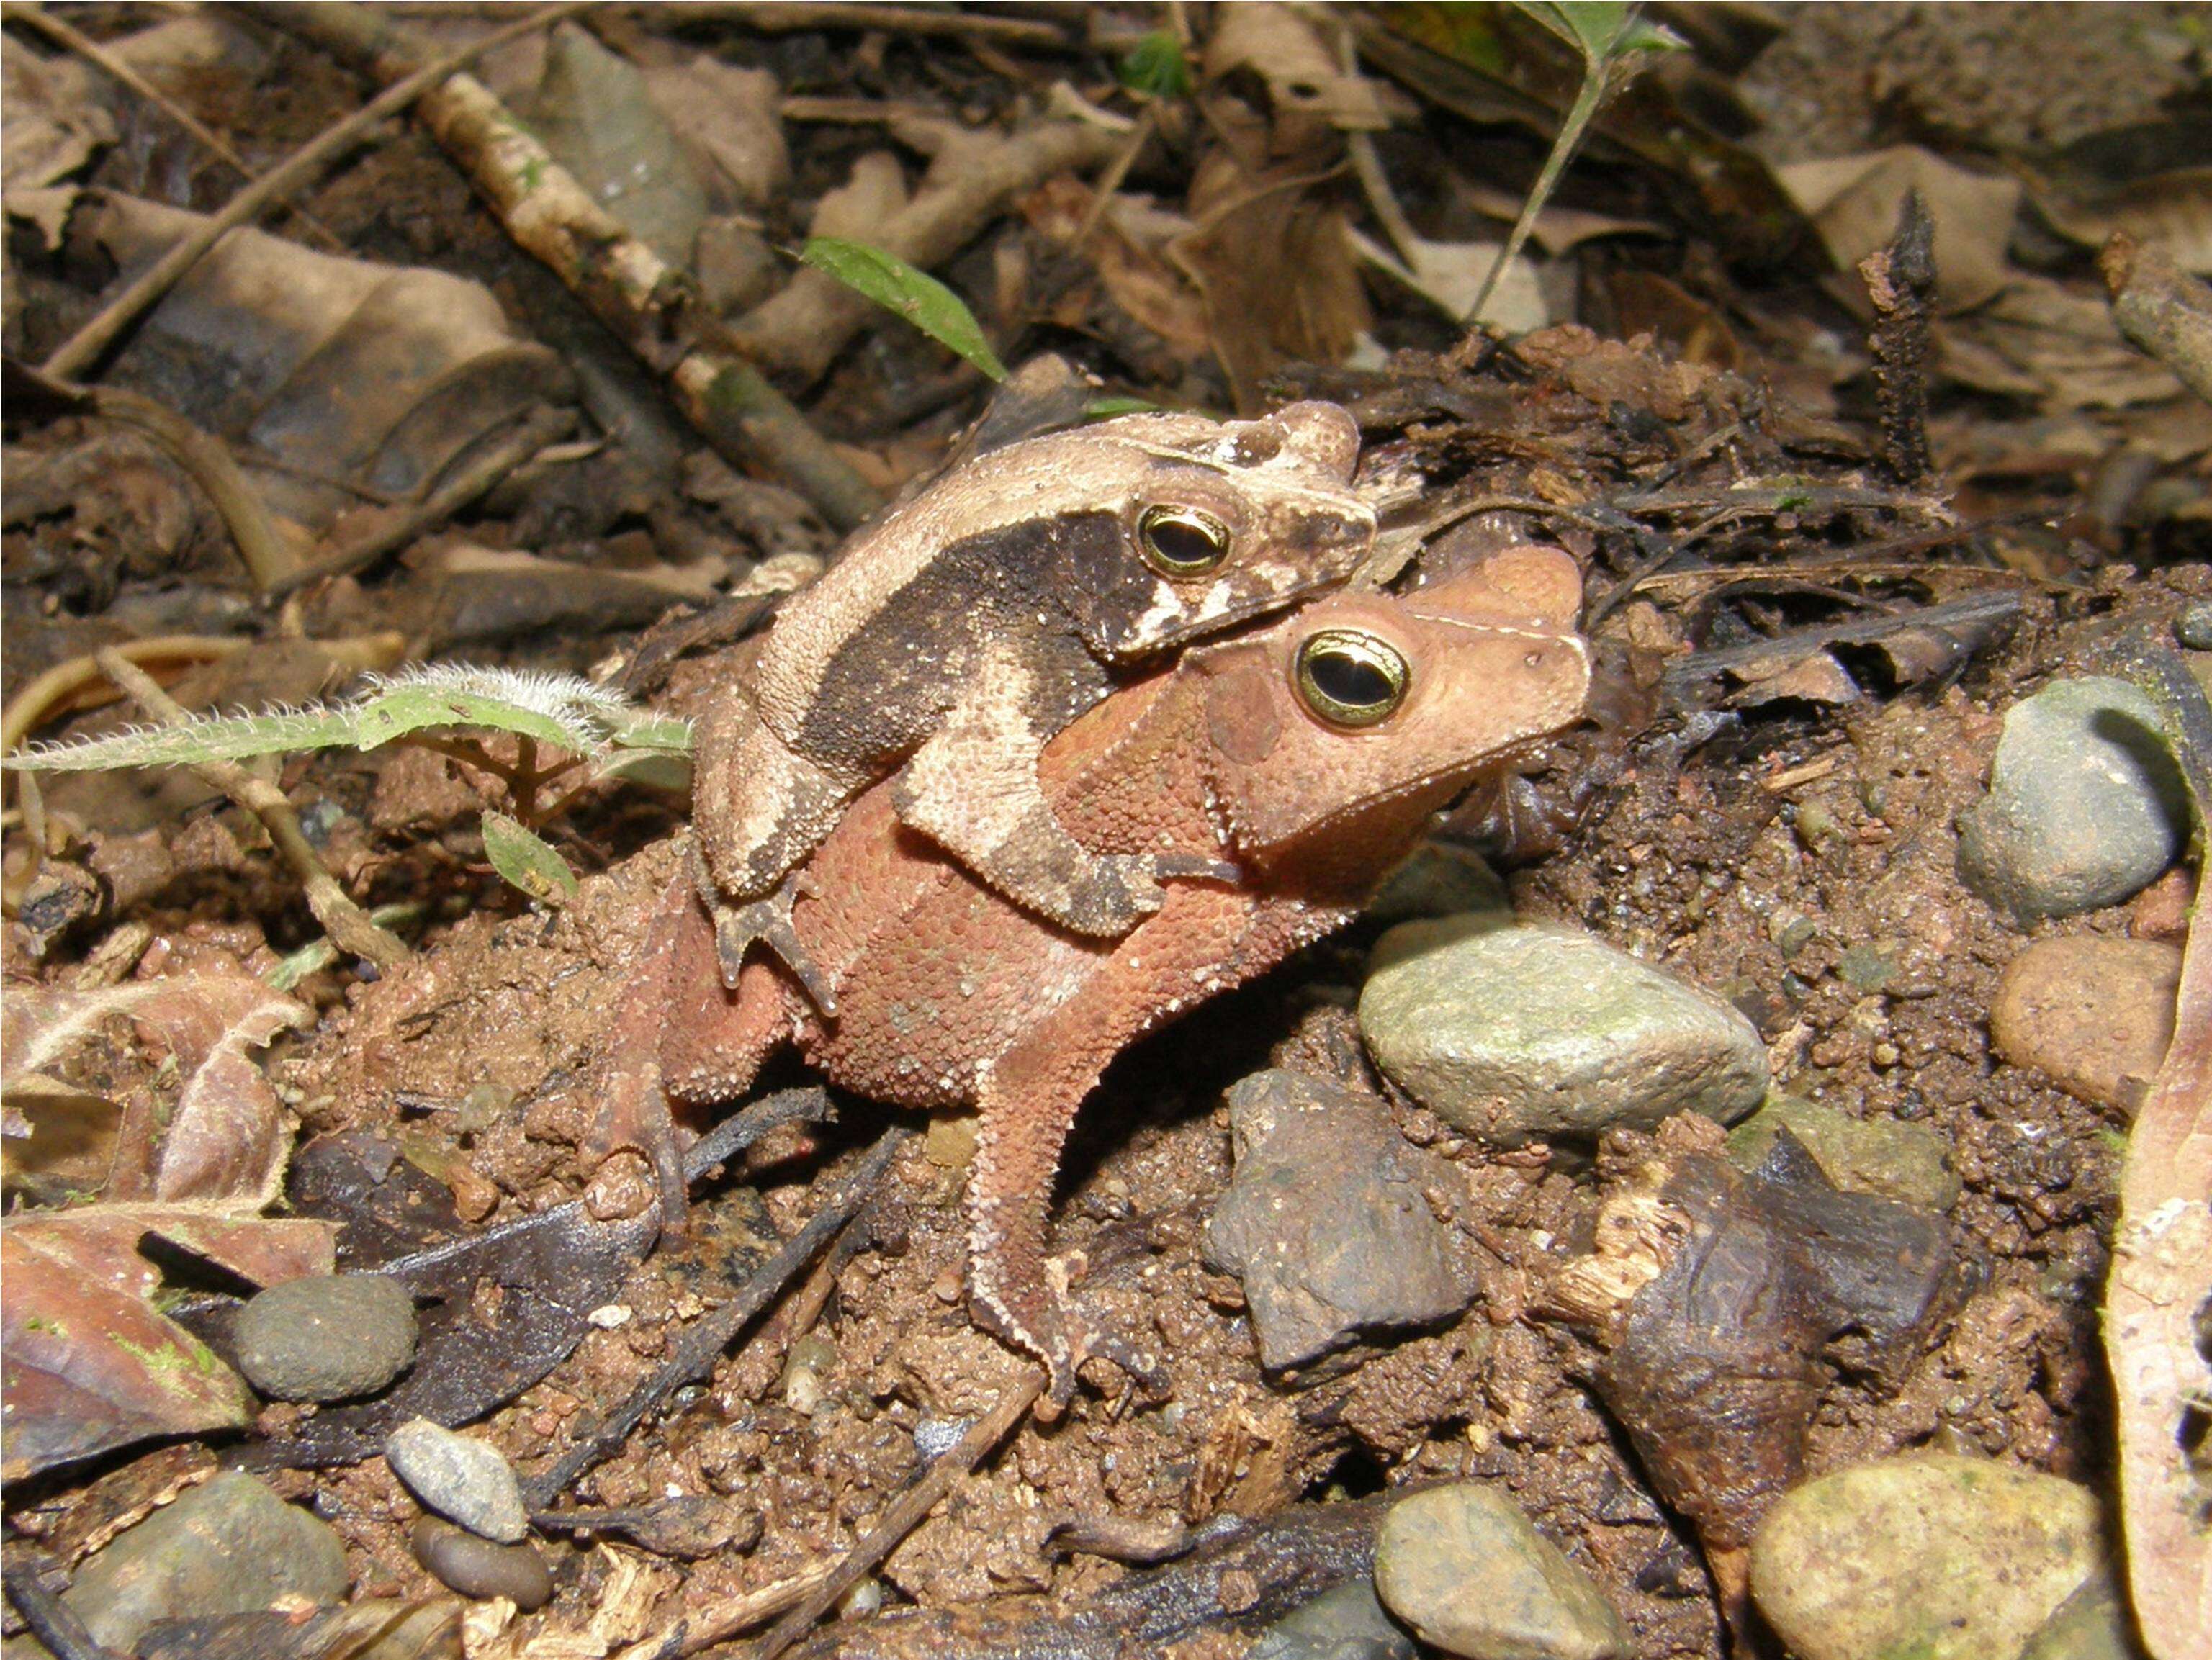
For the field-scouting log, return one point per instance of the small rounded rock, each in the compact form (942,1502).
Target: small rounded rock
(480,1567)
(2193,627)
(329,1337)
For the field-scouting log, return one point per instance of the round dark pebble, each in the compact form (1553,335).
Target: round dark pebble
(2193,627)
(326,1338)
(478,1567)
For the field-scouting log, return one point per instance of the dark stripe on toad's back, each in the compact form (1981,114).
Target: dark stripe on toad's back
(889,688)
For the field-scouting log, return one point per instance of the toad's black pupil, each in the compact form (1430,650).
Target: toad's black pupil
(1180,543)
(1351,682)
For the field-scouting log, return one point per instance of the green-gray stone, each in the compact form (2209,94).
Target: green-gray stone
(230,1546)
(1343,1624)
(1438,878)
(1471,1575)
(2085,805)
(1907,1162)
(2090,1625)
(327,1337)
(1930,1555)
(1521,1033)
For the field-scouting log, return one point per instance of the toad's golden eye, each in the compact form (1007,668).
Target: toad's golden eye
(1353,678)
(1182,541)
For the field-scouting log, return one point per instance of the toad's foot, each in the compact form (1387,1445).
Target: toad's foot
(632,1142)
(766,921)
(1058,1333)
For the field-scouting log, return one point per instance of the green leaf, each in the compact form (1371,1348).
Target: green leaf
(915,295)
(1610,38)
(1603,31)
(219,737)
(1593,26)
(647,733)
(527,860)
(1643,36)
(559,710)
(1157,68)
(1105,409)
(405,709)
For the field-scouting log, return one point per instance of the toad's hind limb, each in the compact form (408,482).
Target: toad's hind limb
(1028,1099)
(677,1034)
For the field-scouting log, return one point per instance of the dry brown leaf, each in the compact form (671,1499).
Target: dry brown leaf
(1812,676)
(1450,274)
(1854,201)
(2042,340)
(2160,1286)
(59,1139)
(732,117)
(1286,52)
(1125,249)
(1275,267)
(1556,230)
(385,376)
(596,113)
(90,1365)
(2171,209)
(227,1134)
(54,117)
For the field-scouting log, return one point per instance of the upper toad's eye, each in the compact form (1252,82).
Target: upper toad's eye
(1353,678)
(1182,541)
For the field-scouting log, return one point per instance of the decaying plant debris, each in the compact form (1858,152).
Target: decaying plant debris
(1867,388)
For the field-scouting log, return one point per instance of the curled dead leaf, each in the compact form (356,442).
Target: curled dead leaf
(227,1135)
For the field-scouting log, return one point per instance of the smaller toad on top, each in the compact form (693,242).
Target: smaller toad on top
(958,635)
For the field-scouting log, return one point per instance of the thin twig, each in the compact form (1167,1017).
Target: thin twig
(905,1513)
(83,348)
(786,16)
(342,919)
(807,1105)
(1367,163)
(693,1354)
(62,35)
(539,428)
(2161,308)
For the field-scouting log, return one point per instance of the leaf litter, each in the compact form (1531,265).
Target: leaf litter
(1820,639)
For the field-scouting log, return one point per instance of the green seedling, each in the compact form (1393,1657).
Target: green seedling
(444,706)
(560,709)
(527,860)
(1614,45)
(914,294)
(1155,67)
